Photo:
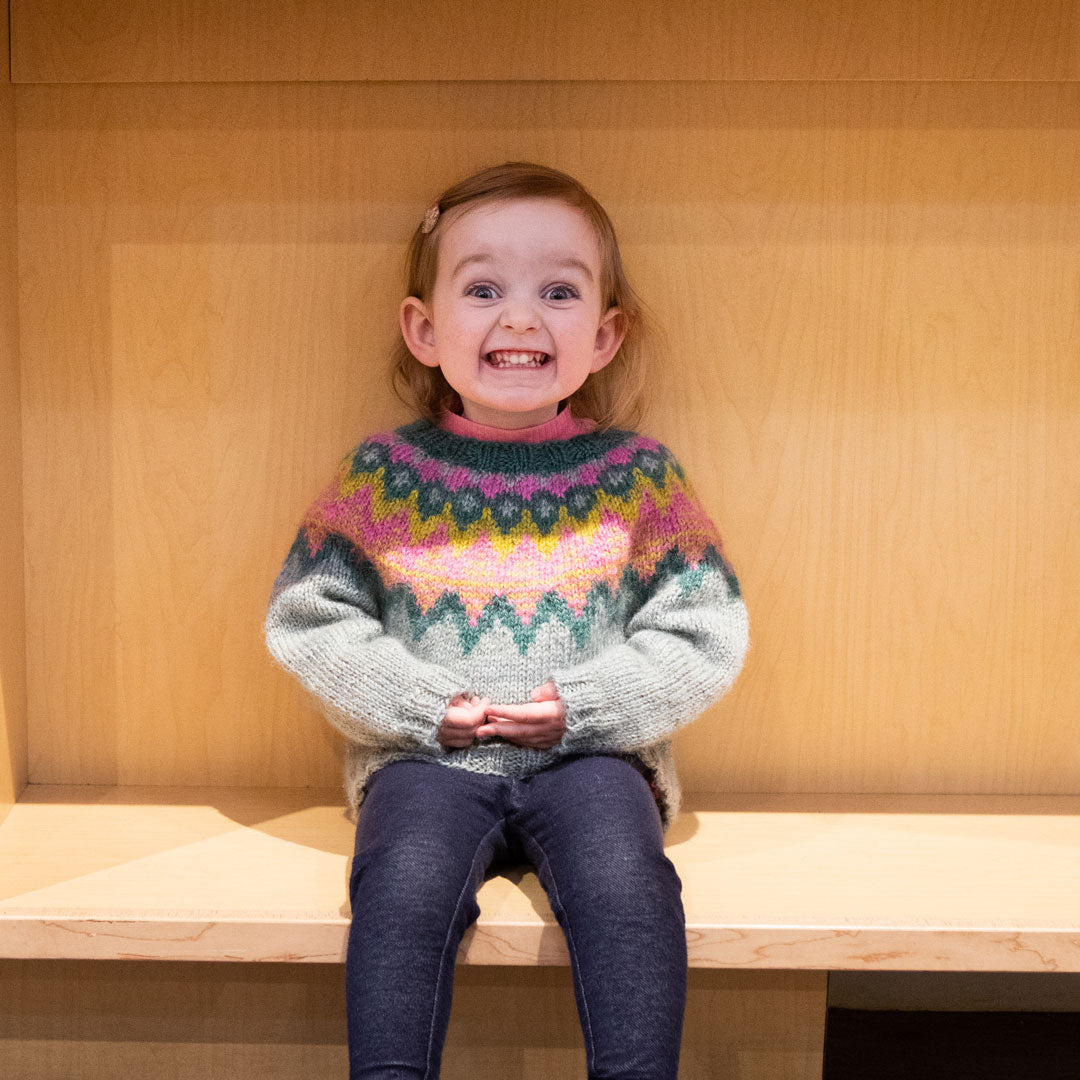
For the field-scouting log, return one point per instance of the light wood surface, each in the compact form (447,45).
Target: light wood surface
(12,625)
(870,290)
(114,1020)
(769,881)
(321,40)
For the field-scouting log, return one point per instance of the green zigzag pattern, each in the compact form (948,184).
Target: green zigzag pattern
(632,593)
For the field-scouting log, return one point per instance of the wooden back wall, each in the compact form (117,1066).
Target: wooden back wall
(870,282)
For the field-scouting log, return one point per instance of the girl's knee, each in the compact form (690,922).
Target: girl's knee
(633,866)
(409,857)
(611,869)
(415,868)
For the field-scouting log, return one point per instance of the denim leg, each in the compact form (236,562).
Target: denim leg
(425,834)
(591,827)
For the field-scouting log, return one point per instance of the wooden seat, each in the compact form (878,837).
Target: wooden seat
(834,882)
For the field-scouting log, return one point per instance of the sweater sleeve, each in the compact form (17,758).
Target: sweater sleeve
(323,627)
(683,646)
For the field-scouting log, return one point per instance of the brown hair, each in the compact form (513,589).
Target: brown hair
(614,395)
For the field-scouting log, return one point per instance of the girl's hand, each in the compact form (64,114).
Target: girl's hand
(539,726)
(463,717)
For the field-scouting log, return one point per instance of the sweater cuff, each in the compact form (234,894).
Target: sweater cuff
(433,690)
(582,697)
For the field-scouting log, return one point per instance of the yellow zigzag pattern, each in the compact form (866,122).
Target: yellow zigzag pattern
(421,527)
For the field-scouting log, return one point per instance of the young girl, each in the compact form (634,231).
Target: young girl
(508,607)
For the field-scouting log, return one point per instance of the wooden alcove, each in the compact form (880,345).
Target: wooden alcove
(860,225)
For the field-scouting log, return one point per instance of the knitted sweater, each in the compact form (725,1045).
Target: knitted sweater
(464,559)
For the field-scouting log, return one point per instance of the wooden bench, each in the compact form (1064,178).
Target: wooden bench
(822,882)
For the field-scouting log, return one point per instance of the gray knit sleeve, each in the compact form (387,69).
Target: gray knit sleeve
(323,626)
(683,647)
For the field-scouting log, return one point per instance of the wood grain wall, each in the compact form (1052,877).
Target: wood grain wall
(873,297)
(12,625)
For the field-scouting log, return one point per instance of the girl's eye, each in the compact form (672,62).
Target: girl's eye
(479,287)
(565,289)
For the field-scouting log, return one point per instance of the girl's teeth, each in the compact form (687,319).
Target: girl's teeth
(515,359)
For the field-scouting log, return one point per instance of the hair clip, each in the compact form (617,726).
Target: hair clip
(430,218)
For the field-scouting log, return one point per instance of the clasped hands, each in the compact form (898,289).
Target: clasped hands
(538,724)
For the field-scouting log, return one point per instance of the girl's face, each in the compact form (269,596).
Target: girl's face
(522,276)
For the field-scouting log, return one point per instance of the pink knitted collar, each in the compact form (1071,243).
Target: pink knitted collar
(562,426)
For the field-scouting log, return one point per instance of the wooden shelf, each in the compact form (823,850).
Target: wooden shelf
(834,882)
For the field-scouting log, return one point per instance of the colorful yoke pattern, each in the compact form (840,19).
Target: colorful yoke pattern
(435,564)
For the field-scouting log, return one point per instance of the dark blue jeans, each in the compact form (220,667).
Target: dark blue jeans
(428,835)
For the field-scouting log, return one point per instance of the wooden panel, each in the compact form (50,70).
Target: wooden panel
(872,294)
(212,1021)
(826,882)
(327,40)
(12,626)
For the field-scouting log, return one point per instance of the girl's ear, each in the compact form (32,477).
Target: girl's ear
(609,336)
(418,330)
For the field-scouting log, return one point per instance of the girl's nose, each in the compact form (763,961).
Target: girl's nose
(519,315)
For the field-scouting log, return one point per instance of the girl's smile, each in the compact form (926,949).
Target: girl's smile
(515,321)
(508,360)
